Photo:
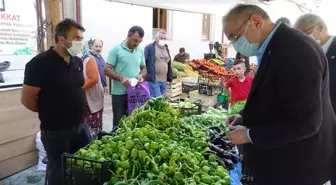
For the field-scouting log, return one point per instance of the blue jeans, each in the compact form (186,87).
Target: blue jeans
(157,88)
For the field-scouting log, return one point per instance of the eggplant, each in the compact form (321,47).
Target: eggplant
(228,163)
(215,129)
(215,148)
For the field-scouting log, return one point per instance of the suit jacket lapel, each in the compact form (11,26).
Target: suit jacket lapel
(258,78)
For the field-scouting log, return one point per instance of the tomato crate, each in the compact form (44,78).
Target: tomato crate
(81,171)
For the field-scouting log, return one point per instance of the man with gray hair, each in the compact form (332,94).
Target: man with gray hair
(158,63)
(314,26)
(286,128)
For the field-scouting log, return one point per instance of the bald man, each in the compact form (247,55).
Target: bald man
(314,26)
(96,47)
(285,129)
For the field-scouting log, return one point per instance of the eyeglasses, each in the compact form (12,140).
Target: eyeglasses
(234,39)
(308,29)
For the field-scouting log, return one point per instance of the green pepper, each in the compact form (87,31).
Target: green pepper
(106,139)
(144,131)
(206,179)
(138,134)
(154,145)
(197,179)
(206,169)
(115,156)
(214,164)
(129,144)
(136,141)
(163,153)
(97,142)
(212,158)
(118,171)
(93,147)
(142,154)
(125,165)
(178,176)
(117,163)
(129,134)
(157,158)
(134,153)
(196,168)
(124,155)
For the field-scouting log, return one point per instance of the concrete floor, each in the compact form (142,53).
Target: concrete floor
(31,177)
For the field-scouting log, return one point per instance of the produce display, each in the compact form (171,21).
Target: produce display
(217,62)
(211,70)
(237,107)
(154,146)
(180,69)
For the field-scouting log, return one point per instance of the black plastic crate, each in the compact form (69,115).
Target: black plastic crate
(209,90)
(186,88)
(196,110)
(81,171)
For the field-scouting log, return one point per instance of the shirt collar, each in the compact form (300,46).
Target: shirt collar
(326,45)
(125,47)
(263,47)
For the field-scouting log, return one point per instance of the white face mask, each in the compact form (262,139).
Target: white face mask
(312,36)
(75,48)
(162,42)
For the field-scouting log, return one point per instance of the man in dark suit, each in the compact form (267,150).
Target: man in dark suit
(283,20)
(287,126)
(314,26)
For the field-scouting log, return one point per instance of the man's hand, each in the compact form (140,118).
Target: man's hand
(238,135)
(106,91)
(140,78)
(234,120)
(125,82)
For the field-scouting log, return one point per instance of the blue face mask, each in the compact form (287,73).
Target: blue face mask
(243,46)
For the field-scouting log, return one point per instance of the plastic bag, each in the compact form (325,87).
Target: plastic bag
(41,153)
(236,174)
(137,96)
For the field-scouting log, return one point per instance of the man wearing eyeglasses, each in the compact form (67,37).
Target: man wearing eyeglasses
(285,129)
(314,26)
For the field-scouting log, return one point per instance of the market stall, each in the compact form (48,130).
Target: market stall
(159,144)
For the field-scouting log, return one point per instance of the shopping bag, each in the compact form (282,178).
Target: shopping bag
(137,96)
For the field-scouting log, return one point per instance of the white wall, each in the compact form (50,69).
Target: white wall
(111,21)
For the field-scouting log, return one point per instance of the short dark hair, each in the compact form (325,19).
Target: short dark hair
(136,29)
(283,20)
(63,27)
(238,61)
(245,10)
(182,50)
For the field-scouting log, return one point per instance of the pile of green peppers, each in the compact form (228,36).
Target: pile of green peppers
(155,146)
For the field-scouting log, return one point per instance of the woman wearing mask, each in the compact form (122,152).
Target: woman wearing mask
(94,96)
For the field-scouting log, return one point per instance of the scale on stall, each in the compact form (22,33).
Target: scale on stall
(210,55)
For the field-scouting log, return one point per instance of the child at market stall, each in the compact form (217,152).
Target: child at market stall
(238,86)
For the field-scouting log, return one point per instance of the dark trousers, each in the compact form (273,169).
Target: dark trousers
(119,107)
(58,142)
